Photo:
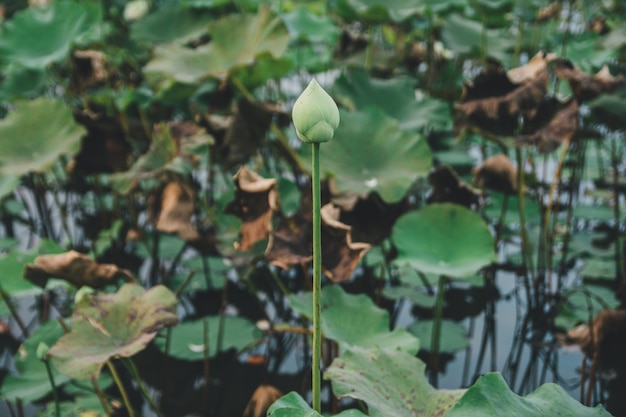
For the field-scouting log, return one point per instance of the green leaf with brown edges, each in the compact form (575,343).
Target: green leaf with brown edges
(106,326)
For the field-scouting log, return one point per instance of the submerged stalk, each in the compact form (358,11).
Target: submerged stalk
(120,386)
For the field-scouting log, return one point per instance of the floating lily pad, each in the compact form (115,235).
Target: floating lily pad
(106,326)
(599,269)
(293,405)
(35,134)
(227,51)
(354,320)
(453,335)
(370,153)
(444,239)
(396,97)
(32,382)
(391,383)
(418,296)
(490,396)
(598,213)
(38,36)
(187,339)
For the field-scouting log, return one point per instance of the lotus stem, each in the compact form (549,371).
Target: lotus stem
(317,278)
(435,339)
(120,386)
(130,365)
(55,394)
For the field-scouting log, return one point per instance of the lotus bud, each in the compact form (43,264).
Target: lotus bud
(315,115)
(42,351)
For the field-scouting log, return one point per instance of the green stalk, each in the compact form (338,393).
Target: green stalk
(120,386)
(435,340)
(130,365)
(55,395)
(317,279)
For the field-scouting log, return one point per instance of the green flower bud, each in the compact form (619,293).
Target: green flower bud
(42,351)
(315,114)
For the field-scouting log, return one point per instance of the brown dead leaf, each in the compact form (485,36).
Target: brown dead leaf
(448,187)
(585,86)
(551,11)
(89,69)
(555,124)
(290,244)
(177,208)
(605,337)
(76,268)
(262,398)
(496,100)
(240,134)
(496,173)
(256,201)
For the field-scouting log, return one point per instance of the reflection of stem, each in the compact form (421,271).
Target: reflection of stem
(130,365)
(435,340)
(121,388)
(317,278)
(55,394)
(526,255)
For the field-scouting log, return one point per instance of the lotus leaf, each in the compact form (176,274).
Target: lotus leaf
(391,383)
(228,50)
(106,326)
(22,82)
(42,35)
(444,239)
(370,153)
(293,405)
(304,25)
(379,10)
(581,304)
(491,396)
(354,320)
(33,383)
(453,335)
(187,339)
(465,36)
(395,96)
(171,24)
(35,134)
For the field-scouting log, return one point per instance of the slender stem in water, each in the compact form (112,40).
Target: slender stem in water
(435,340)
(55,395)
(317,278)
(120,386)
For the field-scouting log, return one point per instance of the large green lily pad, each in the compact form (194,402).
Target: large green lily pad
(187,339)
(228,50)
(444,239)
(354,320)
(395,96)
(293,405)
(391,383)
(38,36)
(35,134)
(32,381)
(491,396)
(107,325)
(171,24)
(370,153)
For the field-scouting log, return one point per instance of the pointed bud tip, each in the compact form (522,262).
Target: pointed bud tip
(315,114)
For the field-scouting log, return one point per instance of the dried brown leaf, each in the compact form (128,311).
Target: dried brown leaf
(76,268)
(585,86)
(256,200)
(177,208)
(497,173)
(261,400)
(555,124)
(606,336)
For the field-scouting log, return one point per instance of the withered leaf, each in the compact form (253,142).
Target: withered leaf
(76,268)
(605,336)
(291,244)
(256,200)
(240,134)
(262,398)
(448,187)
(555,124)
(89,69)
(177,208)
(585,86)
(496,100)
(497,173)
